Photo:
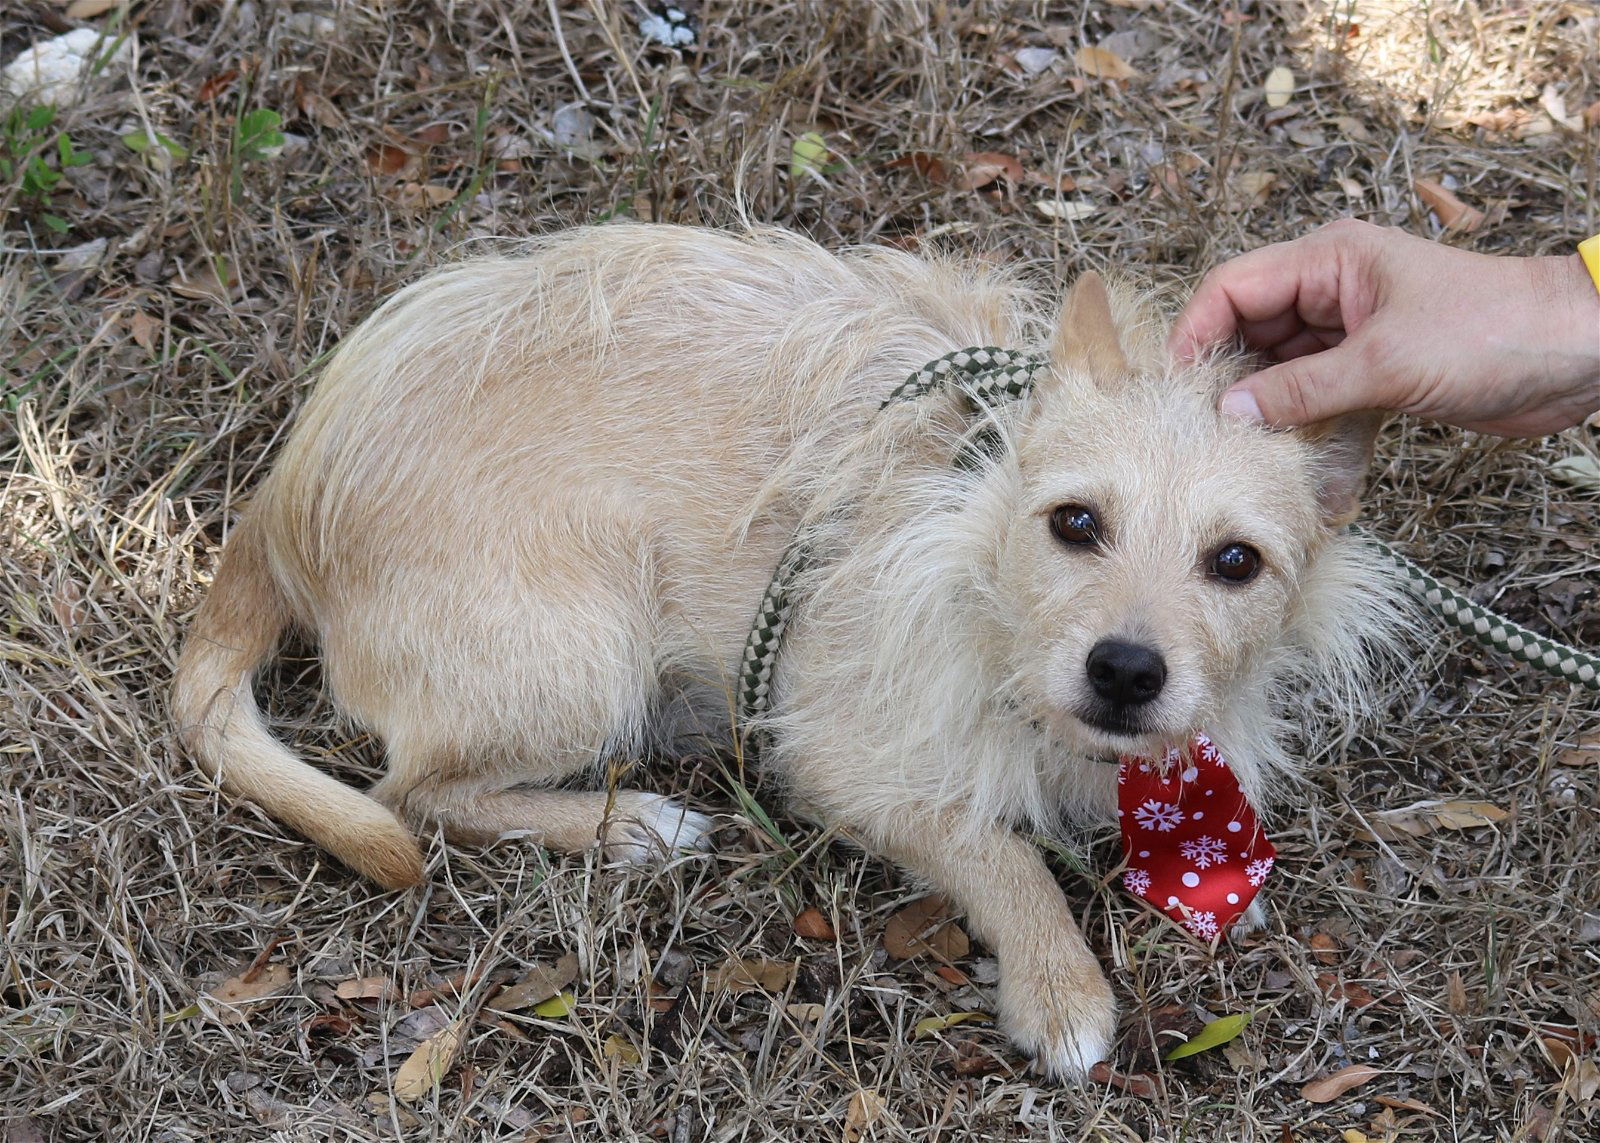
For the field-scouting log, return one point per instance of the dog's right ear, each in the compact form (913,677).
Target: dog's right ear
(1342,448)
(1086,339)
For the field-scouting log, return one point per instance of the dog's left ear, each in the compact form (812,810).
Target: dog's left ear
(1086,339)
(1342,448)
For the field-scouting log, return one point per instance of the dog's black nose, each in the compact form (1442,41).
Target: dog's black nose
(1125,673)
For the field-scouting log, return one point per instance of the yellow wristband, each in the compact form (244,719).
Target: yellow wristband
(1589,251)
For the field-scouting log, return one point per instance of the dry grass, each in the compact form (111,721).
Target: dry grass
(141,401)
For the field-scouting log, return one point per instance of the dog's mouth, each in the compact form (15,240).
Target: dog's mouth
(1118,721)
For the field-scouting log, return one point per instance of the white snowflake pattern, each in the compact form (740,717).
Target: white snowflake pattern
(1206,751)
(1202,925)
(1205,851)
(1258,869)
(1158,815)
(1137,882)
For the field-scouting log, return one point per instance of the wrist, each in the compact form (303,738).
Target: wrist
(1568,320)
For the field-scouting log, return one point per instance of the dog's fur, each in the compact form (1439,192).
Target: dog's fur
(532,506)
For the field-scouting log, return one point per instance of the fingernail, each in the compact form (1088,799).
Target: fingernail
(1241,404)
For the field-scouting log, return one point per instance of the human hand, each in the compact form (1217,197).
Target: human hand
(1358,316)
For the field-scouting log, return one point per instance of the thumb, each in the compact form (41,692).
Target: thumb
(1302,391)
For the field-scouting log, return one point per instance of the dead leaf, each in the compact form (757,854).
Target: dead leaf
(540,983)
(421,196)
(1063,183)
(806,1013)
(928,1025)
(1253,186)
(1325,948)
(1103,64)
(752,974)
(317,107)
(1581,1081)
(144,330)
(1559,1051)
(865,1108)
(1580,470)
(1134,1083)
(1331,1087)
(388,159)
(922,928)
(1585,753)
(1555,105)
(1453,213)
(425,1067)
(812,925)
(379,988)
(1591,114)
(433,135)
(1066,210)
(205,283)
(1402,1103)
(925,163)
(1423,818)
(1352,128)
(253,986)
(1279,88)
(1455,997)
(216,85)
(980,168)
(952,976)
(617,1047)
(89,9)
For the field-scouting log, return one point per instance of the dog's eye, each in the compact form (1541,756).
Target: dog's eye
(1236,563)
(1075,524)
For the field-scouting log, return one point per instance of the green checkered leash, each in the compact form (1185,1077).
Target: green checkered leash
(994,376)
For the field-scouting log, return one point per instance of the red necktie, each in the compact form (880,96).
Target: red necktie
(1192,844)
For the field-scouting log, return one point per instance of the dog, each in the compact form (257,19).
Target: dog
(533,503)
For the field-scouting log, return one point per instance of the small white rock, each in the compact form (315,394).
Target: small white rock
(50,71)
(1035,60)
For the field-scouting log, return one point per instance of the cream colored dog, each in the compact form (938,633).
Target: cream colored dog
(532,506)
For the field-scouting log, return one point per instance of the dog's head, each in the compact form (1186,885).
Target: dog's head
(1164,563)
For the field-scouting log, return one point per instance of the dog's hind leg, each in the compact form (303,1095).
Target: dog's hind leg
(631,825)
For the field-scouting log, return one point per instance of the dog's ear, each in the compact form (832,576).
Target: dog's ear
(1086,338)
(1342,448)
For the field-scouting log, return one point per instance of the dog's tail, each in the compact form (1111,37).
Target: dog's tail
(221,726)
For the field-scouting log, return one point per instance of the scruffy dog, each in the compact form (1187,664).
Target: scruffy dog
(532,506)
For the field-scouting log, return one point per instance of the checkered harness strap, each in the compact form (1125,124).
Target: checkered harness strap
(995,376)
(1493,631)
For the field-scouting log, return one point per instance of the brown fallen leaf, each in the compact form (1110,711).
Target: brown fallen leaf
(89,9)
(1453,213)
(925,163)
(1279,87)
(422,196)
(922,928)
(1325,948)
(144,330)
(812,925)
(1423,818)
(752,974)
(252,986)
(1403,1103)
(866,1106)
(1253,186)
(379,988)
(1330,1087)
(433,135)
(1585,753)
(980,168)
(1134,1083)
(538,985)
(388,159)
(806,1013)
(425,1067)
(1581,1080)
(1103,63)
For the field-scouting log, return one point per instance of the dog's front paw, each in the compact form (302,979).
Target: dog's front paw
(649,827)
(1062,1013)
(1252,920)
